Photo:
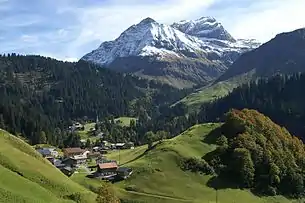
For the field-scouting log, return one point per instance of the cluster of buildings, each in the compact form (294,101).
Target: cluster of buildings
(76,126)
(93,160)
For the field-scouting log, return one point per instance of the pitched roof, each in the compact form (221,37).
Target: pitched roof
(108,165)
(73,150)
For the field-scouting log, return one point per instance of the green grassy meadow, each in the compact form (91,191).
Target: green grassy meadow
(85,134)
(124,121)
(213,91)
(28,178)
(158,178)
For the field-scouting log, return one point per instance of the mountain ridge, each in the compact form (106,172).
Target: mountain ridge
(173,49)
(283,54)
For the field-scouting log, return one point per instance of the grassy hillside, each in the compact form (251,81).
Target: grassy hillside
(125,121)
(158,178)
(213,91)
(28,178)
(206,94)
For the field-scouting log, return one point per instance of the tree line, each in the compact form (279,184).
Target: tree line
(281,98)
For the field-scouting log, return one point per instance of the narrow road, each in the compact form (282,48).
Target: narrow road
(160,196)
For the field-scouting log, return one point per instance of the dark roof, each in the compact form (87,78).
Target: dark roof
(124,169)
(108,165)
(44,151)
(73,150)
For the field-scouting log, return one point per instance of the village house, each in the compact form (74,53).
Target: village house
(70,152)
(48,152)
(94,155)
(75,161)
(67,170)
(107,170)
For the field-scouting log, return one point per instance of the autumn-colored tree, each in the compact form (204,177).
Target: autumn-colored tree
(259,155)
(106,194)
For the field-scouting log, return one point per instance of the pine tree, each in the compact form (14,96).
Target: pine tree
(2,124)
(43,138)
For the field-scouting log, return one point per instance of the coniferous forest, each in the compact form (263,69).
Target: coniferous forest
(281,98)
(41,96)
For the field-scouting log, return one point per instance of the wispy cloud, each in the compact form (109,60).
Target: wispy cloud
(68,29)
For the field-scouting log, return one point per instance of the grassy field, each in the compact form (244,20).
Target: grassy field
(125,121)
(158,178)
(85,134)
(213,91)
(28,178)
(207,94)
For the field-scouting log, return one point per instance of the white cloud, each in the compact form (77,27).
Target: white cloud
(268,19)
(108,22)
(70,28)
(29,38)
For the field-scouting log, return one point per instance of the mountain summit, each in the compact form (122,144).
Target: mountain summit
(183,54)
(205,27)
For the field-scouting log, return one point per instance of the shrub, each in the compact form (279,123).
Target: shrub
(196,165)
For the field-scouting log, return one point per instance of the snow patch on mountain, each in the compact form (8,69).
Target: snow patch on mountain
(205,27)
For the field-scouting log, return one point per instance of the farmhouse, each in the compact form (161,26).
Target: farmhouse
(75,161)
(70,152)
(107,170)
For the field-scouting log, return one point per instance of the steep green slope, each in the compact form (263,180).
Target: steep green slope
(28,178)
(158,178)
(213,91)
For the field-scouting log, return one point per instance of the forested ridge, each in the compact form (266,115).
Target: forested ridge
(281,98)
(256,153)
(39,94)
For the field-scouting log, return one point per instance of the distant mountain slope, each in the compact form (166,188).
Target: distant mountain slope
(171,54)
(285,54)
(281,98)
(28,178)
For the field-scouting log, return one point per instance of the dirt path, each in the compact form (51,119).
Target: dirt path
(160,196)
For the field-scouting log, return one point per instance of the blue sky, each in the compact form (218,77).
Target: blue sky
(68,29)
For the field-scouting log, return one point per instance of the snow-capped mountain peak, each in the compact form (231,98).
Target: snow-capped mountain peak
(147,38)
(186,53)
(204,27)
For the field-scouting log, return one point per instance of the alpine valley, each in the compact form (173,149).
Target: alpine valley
(116,126)
(184,54)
